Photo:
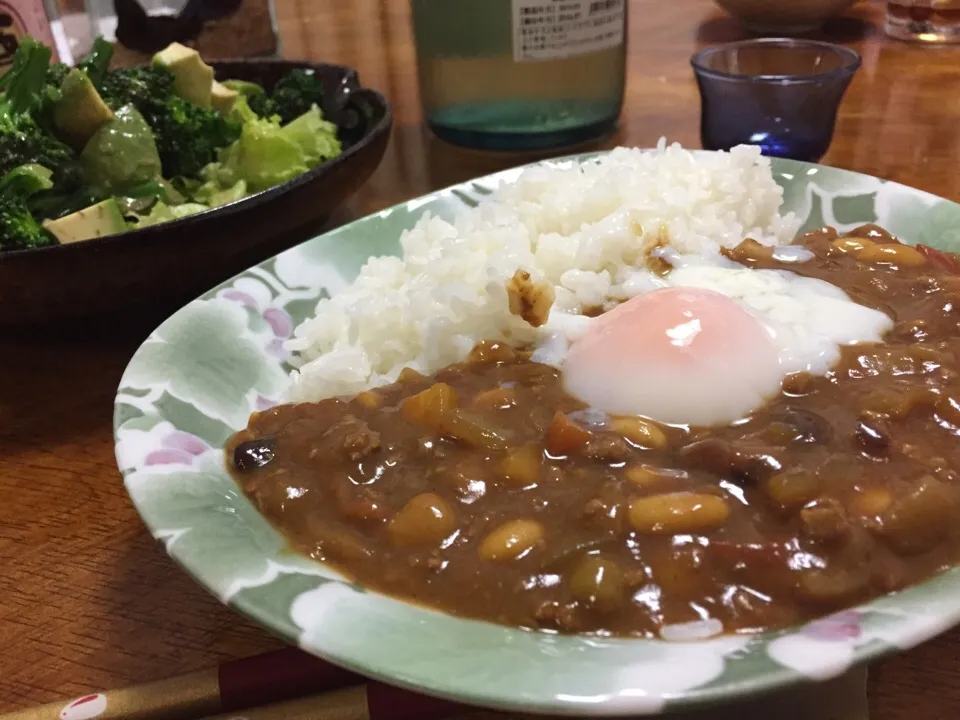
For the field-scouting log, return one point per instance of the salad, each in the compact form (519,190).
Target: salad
(88,151)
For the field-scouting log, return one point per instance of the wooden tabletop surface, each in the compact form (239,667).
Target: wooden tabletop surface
(89,601)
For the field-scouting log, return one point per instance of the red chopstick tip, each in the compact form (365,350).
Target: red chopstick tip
(386,702)
(275,676)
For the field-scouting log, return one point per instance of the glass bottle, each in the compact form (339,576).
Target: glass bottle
(520,74)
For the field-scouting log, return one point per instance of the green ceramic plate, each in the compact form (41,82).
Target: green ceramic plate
(201,373)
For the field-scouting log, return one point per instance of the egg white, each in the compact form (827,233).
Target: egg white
(808,320)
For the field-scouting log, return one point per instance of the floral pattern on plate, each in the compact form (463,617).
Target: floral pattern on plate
(199,375)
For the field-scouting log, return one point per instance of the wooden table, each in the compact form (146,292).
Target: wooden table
(90,601)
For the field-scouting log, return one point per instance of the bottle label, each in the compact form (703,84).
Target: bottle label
(553,29)
(19,18)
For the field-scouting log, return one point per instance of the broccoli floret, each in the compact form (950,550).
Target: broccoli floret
(263,105)
(56,73)
(294,94)
(24,99)
(187,135)
(22,141)
(142,87)
(50,94)
(19,229)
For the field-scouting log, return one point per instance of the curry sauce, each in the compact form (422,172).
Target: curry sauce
(487,491)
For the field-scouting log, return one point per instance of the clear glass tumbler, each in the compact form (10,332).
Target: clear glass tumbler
(520,74)
(931,21)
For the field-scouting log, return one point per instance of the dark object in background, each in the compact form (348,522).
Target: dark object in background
(779,94)
(151,33)
(165,265)
(19,19)
(206,10)
(8,42)
(215,28)
(140,31)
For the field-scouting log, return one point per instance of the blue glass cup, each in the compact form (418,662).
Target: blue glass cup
(781,94)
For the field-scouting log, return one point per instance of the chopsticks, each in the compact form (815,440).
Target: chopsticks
(289,684)
(253,685)
(351,704)
(373,701)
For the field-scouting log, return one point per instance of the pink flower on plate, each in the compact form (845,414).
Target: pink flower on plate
(177,448)
(179,440)
(168,456)
(841,626)
(264,403)
(239,296)
(275,347)
(279,321)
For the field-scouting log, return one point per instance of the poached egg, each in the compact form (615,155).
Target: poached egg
(707,345)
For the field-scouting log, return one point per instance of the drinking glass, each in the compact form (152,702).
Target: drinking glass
(781,94)
(931,21)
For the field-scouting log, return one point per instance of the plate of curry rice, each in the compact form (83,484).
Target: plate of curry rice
(623,433)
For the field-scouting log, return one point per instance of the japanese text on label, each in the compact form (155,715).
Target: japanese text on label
(551,29)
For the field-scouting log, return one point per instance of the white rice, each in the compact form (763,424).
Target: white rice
(584,228)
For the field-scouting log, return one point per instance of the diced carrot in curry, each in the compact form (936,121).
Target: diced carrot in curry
(564,436)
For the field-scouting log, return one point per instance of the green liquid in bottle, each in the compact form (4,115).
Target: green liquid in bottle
(520,74)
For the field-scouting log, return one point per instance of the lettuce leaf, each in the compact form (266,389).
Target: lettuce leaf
(316,137)
(212,195)
(263,156)
(161,213)
(266,154)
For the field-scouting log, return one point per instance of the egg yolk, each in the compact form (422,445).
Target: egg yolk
(679,355)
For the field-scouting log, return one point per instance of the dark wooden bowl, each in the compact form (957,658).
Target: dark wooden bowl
(175,261)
